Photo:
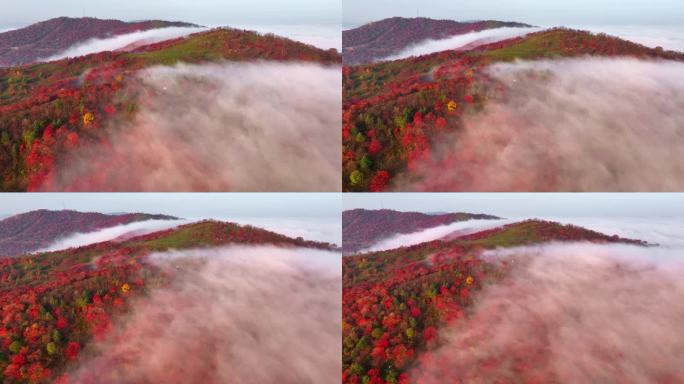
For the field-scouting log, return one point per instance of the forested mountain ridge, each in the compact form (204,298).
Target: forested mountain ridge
(394,113)
(396,301)
(35,230)
(47,38)
(386,37)
(362,228)
(54,304)
(50,109)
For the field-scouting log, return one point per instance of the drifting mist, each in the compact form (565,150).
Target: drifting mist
(451,230)
(665,232)
(576,312)
(236,314)
(228,127)
(590,124)
(324,37)
(125,41)
(117,232)
(321,36)
(669,37)
(315,229)
(461,41)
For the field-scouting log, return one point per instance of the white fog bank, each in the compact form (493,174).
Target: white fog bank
(221,127)
(469,40)
(314,229)
(230,315)
(125,41)
(320,36)
(138,228)
(456,229)
(669,37)
(571,313)
(586,124)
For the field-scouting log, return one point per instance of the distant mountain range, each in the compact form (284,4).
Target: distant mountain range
(362,228)
(31,231)
(47,38)
(386,37)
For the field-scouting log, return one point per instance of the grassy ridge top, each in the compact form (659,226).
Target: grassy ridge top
(524,233)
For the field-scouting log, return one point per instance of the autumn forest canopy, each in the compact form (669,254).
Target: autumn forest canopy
(428,312)
(407,123)
(49,111)
(55,304)
(229,253)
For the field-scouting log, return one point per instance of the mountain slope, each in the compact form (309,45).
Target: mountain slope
(394,113)
(47,110)
(34,230)
(54,304)
(362,228)
(395,301)
(47,38)
(389,36)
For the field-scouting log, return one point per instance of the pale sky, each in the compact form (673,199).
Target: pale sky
(515,205)
(538,12)
(205,12)
(317,216)
(329,205)
(186,205)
